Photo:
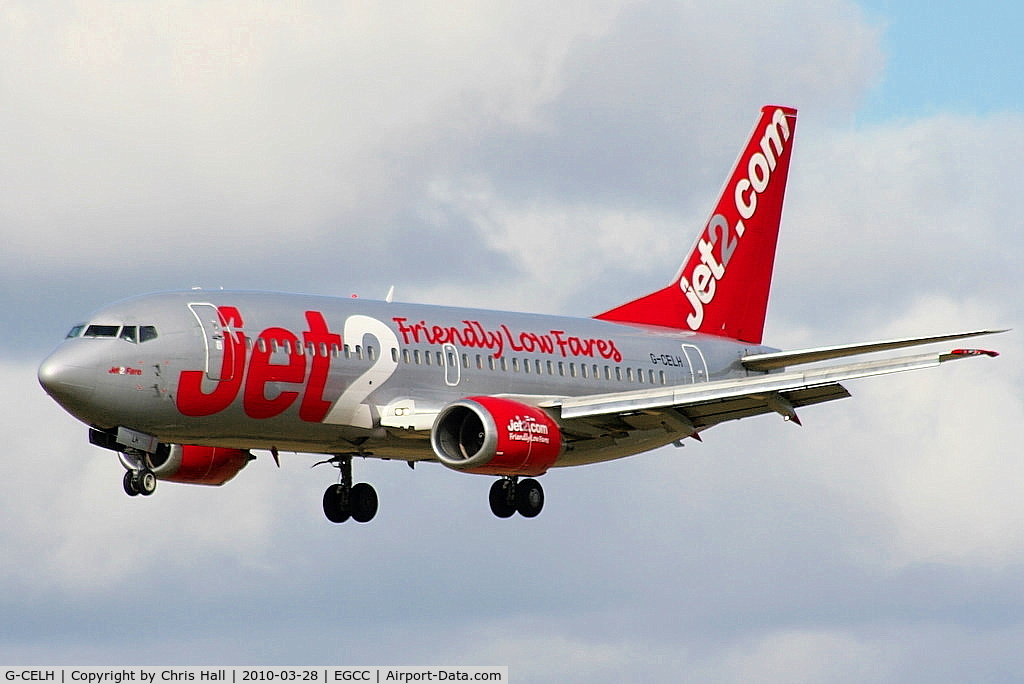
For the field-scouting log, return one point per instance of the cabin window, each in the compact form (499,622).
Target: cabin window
(371,353)
(640,375)
(465,360)
(440,359)
(583,369)
(629,375)
(515,365)
(405,355)
(490,362)
(394,355)
(661,376)
(426,355)
(504,363)
(479,362)
(561,368)
(416,356)
(551,367)
(572,369)
(452,363)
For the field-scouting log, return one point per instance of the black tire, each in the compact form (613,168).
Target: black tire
(146,482)
(499,499)
(130,486)
(529,498)
(363,502)
(333,508)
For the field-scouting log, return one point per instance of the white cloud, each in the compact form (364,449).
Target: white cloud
(880,217)
(232,127)
(215,133)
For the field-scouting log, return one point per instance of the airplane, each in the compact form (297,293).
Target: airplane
(184,385)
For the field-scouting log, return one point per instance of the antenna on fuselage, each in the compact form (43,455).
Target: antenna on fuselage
(390,295)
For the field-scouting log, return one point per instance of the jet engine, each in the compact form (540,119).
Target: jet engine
(198,464)
(495,436)
(190,464)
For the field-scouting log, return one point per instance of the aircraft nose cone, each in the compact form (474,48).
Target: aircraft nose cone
(71,384)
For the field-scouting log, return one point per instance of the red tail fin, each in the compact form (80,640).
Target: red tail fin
(722,287)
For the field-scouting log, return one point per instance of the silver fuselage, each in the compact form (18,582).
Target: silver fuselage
(317,374)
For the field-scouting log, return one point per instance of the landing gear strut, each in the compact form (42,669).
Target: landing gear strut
(139,479)
(345,500)
(509,496)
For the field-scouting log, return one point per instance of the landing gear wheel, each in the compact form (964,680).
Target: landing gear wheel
(145,482)
(503,498)
(130,485)
(346,500)
(334,508)
(363,502)
(529,498)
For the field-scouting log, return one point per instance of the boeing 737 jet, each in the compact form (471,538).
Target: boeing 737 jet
(184,386)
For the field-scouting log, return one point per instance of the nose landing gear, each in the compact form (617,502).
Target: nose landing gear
(138,479)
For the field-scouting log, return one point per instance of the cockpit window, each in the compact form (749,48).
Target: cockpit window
(130,333)
(102,330)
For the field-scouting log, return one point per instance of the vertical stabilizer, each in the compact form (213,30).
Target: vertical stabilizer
(723,285)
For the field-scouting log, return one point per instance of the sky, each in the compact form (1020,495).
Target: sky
(550,157)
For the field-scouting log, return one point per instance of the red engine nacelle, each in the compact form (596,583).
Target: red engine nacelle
(494,436)
(201,464)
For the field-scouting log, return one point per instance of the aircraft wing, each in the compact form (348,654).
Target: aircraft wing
(690,408)
(782,359)
(694,407)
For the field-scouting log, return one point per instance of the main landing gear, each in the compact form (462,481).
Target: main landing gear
(345,500)
(509,495)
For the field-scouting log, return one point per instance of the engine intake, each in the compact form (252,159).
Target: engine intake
(496,436)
